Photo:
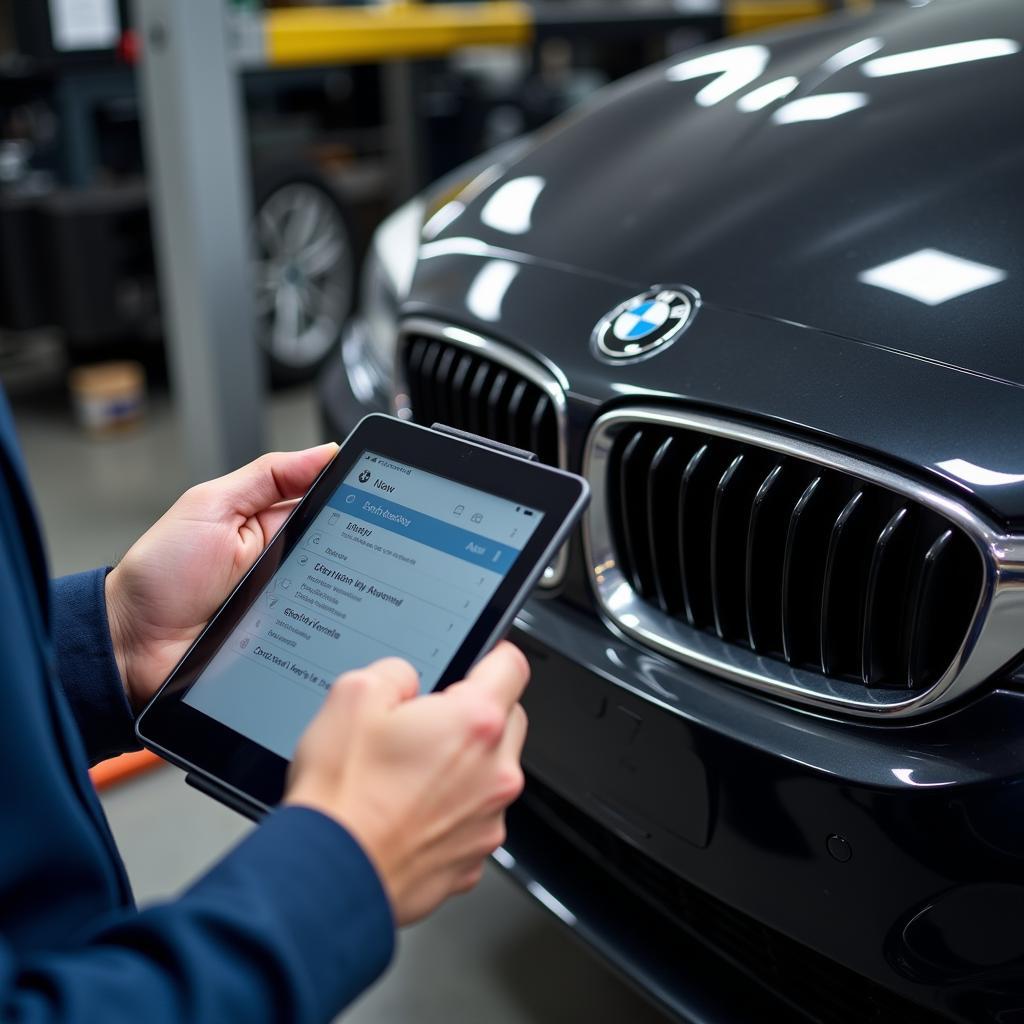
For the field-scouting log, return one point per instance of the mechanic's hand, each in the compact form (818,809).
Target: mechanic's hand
(422,784)
(177,574)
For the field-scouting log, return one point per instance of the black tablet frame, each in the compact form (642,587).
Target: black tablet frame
(237,765)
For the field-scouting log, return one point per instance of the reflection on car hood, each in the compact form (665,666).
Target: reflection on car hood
(861,176)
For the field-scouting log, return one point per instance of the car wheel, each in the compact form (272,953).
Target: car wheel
(305,272)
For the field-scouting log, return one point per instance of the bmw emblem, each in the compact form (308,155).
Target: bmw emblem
(644,323)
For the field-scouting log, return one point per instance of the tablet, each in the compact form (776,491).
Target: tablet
(417,542)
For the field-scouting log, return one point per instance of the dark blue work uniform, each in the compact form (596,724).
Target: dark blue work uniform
(290,926)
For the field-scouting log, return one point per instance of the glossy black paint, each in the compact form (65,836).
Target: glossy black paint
(735,794)
(777,220)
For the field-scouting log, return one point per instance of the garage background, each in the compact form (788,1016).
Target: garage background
(115,352)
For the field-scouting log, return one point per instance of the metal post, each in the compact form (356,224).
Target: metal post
(405,143)
(200,200)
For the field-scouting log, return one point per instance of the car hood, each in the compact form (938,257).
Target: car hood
(878,199)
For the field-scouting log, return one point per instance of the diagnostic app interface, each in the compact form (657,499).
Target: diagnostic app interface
(399,561)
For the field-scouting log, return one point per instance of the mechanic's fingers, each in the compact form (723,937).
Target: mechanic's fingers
(512,742)
(401,681)
(502,674)
(272,478)
(386,683)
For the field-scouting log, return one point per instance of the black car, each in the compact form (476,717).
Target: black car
(767,298)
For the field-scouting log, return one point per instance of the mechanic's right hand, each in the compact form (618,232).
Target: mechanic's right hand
(422,784)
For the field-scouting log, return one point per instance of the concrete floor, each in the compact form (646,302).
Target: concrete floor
(492,957)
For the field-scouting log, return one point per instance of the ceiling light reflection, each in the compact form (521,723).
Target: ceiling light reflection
(760,97)
(559,909)
(395,255)
(620,597)
(510,209)
(907,775)
(445,216)
(504,858)
(852,54)
(733,70)
(979,475)
(939,57)
(455,247)
(487,292)
(932,276)
(819,108)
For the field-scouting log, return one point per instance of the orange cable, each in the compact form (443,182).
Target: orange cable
(119,769)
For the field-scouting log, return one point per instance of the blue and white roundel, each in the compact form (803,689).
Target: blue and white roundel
(643,323)
(636,324)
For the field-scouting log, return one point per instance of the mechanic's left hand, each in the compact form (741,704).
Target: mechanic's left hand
(177,574)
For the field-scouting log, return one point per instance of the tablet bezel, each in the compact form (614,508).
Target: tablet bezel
(200,744)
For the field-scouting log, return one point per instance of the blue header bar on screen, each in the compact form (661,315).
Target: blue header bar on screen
(418,526)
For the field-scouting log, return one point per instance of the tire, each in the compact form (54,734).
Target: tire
(305,265)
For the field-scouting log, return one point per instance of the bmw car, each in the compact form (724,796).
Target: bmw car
(767,298)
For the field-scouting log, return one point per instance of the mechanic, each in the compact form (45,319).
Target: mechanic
(392,803)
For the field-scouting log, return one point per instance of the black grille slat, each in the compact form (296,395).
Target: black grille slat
(919,600)
(797,561)
(496,405)
(514,415)
(795,630)
(880,658)
(764,564)
(660,532)
(478,392)
(447,402)
(548,447)
(734,498)
(694,528)
(538,422)
(428,382)
(841,610)
(634,466)
(459,388)
(718,544)
(940,624)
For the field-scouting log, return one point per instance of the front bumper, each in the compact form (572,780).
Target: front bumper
(733,855)
(808,854)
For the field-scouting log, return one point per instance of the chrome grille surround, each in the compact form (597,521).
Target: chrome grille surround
(554,386)
(994,638)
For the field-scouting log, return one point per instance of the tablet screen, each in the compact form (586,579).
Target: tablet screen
(398,561)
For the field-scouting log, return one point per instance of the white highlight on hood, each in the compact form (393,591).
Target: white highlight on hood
(760,97)
(851,54)
(397,245)
(972,474)
(733,69)
(510,209)
(445,216)
(932,276)
(487,292)
(820,107)
(907,775)
(940,56)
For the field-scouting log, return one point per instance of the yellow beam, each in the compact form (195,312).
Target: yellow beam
(751,15)
(322,35)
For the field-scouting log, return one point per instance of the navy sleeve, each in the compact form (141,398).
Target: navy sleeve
(88,672)
(291,926)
